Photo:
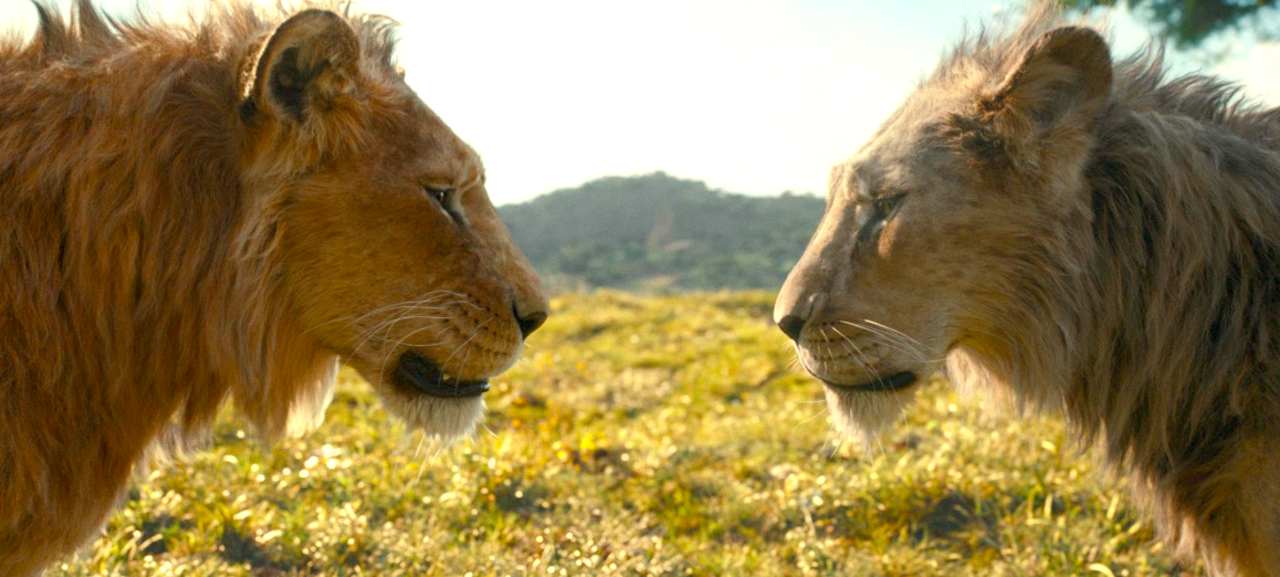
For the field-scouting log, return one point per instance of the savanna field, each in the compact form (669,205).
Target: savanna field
(638,436)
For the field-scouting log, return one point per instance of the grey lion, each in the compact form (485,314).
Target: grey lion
(1069,231)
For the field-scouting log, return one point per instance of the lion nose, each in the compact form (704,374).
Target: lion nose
(529,322)
(792,325)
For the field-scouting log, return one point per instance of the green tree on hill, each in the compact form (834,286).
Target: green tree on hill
(1189,22)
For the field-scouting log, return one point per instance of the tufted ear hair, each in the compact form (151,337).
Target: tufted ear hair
(1043,113)
(310,60)
(1064,78)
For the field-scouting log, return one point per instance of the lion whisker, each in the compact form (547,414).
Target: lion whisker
(428,458)
(802,423)
(905,337)
(837,444)
(402,341)
(866,363)
(888,339)
(474,332)
(898,342)
(389,324)
(418,450)
(430,298)
(462,369)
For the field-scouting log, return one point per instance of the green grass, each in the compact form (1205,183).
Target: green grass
(639,436)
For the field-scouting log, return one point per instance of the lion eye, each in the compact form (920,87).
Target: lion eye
(444,199)
(440,194)
(886,205)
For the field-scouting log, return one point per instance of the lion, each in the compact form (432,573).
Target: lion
(1069,231)
(223,210)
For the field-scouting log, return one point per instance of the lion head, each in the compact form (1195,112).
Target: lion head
(940,227)
(385,243)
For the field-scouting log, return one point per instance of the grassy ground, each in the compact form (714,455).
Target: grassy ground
(640,436)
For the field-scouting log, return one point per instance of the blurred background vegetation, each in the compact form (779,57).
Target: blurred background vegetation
(658,232)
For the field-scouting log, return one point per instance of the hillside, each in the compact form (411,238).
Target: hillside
(660,232)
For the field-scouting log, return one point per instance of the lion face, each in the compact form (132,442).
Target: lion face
(958,205)
(401,266)
(870,303)
(390,250)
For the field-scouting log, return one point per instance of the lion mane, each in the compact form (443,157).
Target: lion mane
(139,285)
(1070,231)
(1156,325)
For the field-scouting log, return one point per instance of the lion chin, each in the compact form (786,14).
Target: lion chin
(863,416)
(444,419)
(438,417)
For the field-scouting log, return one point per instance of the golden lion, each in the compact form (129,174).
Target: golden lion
(224,210)
(1071,232)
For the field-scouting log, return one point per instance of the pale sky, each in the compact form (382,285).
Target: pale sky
(752,96)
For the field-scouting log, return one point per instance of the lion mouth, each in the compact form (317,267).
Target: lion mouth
(423,376)
(894,382)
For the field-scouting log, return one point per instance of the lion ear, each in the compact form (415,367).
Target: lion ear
(309,61)
(1065,77)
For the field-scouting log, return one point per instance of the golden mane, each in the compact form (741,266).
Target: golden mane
(149,177)
(89,36)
